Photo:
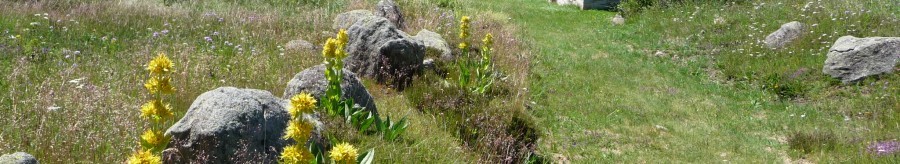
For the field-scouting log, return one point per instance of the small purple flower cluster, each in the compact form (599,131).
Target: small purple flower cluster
(884,147)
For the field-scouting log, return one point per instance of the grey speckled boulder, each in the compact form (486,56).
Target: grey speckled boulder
(379,50)
(18,158)
(851,59)
(231,125)
(388,9)
(785,35)
(312,81)
(434,43)
(347,19)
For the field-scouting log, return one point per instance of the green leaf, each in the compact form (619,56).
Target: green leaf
(367,158)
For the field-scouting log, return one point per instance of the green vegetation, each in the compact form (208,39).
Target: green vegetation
(683,82)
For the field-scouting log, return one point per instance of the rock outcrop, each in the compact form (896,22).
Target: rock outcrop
(435,44)
(312,81)
(377,49)
(851,59)
(388,9)
(347,19)
(231,125)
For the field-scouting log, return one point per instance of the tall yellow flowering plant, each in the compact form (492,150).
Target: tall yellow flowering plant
(482,67)
(464,72)
(156,111)
(298,130)
(334,55)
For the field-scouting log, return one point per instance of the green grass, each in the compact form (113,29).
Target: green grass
(600,96)
(594,91)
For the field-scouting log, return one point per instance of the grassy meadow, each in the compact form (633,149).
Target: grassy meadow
(687,82)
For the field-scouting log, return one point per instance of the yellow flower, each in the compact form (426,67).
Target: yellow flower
(342,37)
(488,40)
(156,110)
(144,157)
(343,153)
(302,103)
(295,154)
(160,65)
(328,50)
(159,84)
(297,130)
(153,137)
(464,28)
(463,46)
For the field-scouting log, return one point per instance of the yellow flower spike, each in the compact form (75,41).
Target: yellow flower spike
(159,84)
(294,154)
(328,50)
(342,37)
(488,40)
(343,153)
(302,103)
(297,130)
(464,27)
(144,157)
(153,137)
(160,65)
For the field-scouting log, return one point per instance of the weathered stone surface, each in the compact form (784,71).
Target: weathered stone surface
(347,19)
(388,9)
(231,125)
(435,44)
(299,45)
(312,81)
(590,4)
(785,35)
(851,59)
(18,158)
(379,50)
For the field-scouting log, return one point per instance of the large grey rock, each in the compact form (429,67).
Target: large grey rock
(377,49)
(785,35)
(18,158)
(388,9)
(851,59)
(312,81)
(590,4)
(434,43)
(231,125)
(347,19)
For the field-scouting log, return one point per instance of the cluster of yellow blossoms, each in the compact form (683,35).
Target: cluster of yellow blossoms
(157,111)
(298,129)
(464,32)
(343,153)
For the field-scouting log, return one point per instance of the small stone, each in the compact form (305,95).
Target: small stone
(785,35)
(298,45)
(618,20)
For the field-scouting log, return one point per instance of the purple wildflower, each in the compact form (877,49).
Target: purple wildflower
(155,34)
(165,32)
(208,39)
(884,147)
